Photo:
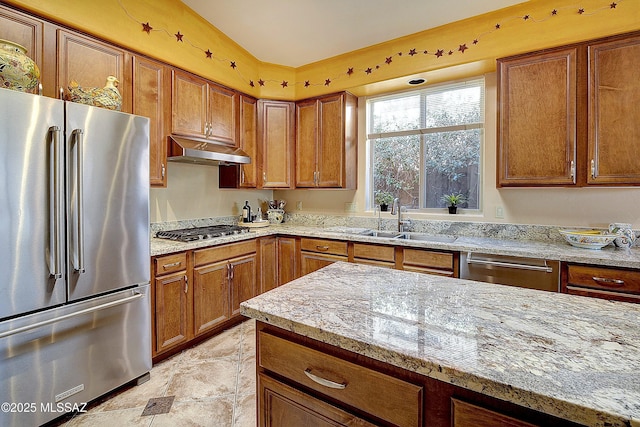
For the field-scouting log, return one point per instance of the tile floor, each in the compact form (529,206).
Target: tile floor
(213,384)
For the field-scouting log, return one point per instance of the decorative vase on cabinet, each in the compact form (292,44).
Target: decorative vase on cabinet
(17,70)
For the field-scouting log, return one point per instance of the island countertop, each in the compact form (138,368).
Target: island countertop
(572,357)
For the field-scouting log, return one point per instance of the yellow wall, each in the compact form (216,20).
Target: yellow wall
(119,21)
(192,191)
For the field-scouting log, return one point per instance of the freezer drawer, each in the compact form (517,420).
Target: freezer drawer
(79,352)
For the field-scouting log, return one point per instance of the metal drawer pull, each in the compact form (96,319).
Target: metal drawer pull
(609,282)
(322,248)
(323,381)
(544,268)
(173,264)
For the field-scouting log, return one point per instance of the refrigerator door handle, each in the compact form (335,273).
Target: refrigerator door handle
(55,184)
(76,137)
(135,296)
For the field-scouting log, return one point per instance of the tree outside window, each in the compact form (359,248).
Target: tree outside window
(427,143)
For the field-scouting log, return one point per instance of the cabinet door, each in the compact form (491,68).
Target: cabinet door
(276,129)
(614,109)
(171,310)
(210,296)
(249,141)
(151,99)
(189,104)
(331,143)
(310,261)
(288,260)
(89,62)
(537,119)
(223,114)
(268,250)
(243,281)
(24,30)
(280,405)
(306,143)
(467,415)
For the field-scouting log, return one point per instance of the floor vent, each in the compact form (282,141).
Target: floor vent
(158,405)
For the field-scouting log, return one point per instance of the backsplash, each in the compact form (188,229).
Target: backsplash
(539,233)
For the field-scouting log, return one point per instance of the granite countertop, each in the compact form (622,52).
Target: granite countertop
(572,357)
(608,256)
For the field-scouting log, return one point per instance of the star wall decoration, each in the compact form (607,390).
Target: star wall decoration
(369,69)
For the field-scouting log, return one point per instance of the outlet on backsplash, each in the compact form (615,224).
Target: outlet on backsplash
(350,207)
(299,206)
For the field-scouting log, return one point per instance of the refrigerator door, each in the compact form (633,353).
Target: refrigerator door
(32,250)
(108,200)
(55,360)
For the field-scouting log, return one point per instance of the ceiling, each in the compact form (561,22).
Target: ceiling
(299,32)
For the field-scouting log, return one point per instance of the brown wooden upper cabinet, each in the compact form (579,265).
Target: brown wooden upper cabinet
(249,141)
(89,62)
(203,109)
(326,142)
(25,30)
(152,99)
(614,111)
(276,129)
(568,116)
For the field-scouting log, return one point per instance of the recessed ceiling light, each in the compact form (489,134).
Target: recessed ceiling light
(416,81)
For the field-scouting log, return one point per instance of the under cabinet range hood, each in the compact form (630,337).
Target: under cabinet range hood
(204,152)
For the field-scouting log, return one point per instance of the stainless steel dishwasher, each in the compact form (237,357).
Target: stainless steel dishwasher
(530,273)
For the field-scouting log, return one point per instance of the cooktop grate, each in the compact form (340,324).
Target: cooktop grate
(201,233)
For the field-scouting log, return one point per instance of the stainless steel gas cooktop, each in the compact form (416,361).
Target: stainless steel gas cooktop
(201,233)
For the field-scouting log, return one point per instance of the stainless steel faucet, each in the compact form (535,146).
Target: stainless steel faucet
(397,209)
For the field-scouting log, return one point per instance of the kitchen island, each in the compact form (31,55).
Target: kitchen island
(511,352)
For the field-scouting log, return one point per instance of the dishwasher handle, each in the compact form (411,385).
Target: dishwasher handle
(545,268)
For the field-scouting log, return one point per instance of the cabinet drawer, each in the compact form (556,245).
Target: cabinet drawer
(429,259)
(377,252)
(468,415)
(219,253)
(170,263)
(325,246)
(602,278)
(393,400)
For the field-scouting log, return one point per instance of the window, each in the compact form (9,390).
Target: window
(427,143)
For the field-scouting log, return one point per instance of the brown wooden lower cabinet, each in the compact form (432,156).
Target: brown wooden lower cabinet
(196,293)
(304,382)
(431,262)
(284,406)
(318,253)
(171,302)
(467,415)
(610,283)
(377,255)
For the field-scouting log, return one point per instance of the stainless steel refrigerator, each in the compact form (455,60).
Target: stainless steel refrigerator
(74,255)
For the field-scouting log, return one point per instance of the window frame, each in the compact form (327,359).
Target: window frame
(423,130)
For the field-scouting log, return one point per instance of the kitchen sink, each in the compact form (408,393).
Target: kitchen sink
(387,234)
(427,237)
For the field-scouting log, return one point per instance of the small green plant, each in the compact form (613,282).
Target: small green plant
(383,198)
(453,199)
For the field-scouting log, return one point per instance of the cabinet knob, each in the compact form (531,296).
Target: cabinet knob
(322,248)
(186,284)
(264,177)
(593,168)
(163,170)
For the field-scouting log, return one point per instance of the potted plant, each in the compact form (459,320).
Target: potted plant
(383,198)
(453,200)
